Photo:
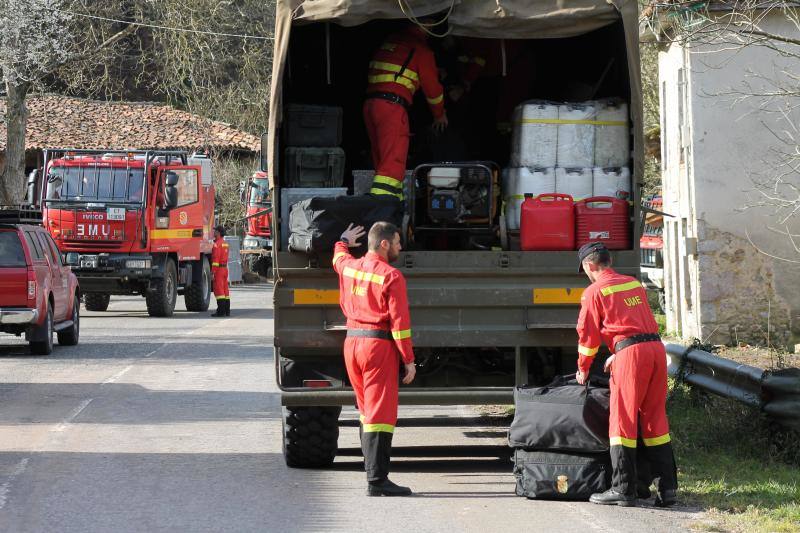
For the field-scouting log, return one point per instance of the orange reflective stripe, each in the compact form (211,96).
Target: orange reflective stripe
(622,441)
(338,256)
(391,67)
(389,78)
(360,275)
(401,334)
(434,101)
(587,351)
(657,441)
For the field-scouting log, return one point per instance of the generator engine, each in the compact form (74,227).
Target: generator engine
(459,195)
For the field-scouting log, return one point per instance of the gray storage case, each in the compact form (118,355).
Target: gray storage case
(314,167)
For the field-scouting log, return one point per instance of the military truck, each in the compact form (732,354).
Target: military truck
(483,319)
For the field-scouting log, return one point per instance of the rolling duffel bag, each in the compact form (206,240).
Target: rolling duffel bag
(562,416)
(561,476)
(317,223)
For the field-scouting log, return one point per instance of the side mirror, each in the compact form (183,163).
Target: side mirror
(264,145)
(171,196)
(30,192)
(172,179)
(72,259)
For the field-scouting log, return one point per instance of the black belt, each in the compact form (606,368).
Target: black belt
(636,339)
(390,97)
(370,333)
(220,265)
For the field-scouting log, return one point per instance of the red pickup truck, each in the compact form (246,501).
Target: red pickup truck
(39,294)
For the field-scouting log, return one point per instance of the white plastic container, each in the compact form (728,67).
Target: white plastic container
(614,182)
(522,181)
(577,182)
(576,135)
(612,140)
(534,139)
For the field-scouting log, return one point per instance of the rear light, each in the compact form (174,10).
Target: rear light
(31,285)
(317,383)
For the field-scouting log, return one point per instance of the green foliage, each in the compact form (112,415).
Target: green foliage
(734,462)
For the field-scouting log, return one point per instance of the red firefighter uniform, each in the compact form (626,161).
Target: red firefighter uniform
(614,308)
(373,298)
(219,268)
(402,64)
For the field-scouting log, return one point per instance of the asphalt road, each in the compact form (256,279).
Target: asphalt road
(174,424)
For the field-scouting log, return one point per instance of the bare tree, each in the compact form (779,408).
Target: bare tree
(37,37)
(725,27)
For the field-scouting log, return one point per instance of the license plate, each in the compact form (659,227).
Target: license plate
(115,213)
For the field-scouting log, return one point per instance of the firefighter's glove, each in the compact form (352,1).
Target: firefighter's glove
(351,236)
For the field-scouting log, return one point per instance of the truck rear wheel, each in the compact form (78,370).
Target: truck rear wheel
(44,346)
(96,301)
(197,296)
(310,436)
(163,292)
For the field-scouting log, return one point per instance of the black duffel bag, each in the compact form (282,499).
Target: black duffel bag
(561,476)
(562,416)
(317,223)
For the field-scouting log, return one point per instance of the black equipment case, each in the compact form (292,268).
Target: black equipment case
(561,476)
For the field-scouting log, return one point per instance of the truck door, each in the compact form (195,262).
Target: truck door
(182,222)
(57,275)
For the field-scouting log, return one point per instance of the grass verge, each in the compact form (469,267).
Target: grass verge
(742,469)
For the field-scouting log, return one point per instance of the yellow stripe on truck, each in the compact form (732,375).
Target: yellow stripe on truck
(560,295)
(171,233)
(316,297)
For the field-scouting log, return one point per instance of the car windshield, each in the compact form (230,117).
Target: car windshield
(98,184)
(259,193)
(11,252)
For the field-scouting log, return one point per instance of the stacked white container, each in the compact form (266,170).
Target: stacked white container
(534,138)
(522,181)
(575,181)
(612,136)
(614,182)
(576,135)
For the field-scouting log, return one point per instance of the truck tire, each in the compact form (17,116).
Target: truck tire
(163,292)
(310,436)
(96,301)
(44,347)
(197,296)
(70,336)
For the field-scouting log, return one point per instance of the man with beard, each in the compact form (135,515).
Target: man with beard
(372,295)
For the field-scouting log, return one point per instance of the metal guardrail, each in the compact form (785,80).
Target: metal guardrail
(776,393)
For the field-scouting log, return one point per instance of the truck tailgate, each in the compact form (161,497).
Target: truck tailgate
(13,270)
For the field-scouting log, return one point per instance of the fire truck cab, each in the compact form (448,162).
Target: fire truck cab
(257,244)
(135,222)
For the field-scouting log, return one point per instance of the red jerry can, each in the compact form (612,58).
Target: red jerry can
(603,219)
(547,222)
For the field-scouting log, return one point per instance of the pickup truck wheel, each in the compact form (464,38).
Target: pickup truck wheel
(96,301)
(197,296)
(70,336)
(44,347)
(310,436)
(163,292)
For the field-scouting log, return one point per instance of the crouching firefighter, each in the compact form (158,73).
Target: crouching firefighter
(614,310)
(219,272)
(373,298)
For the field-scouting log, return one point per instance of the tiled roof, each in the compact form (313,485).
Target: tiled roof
(66,122)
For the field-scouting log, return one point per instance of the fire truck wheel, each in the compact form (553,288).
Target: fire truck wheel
(96,301)
(310,436)
(71,335)
(163,292)
(45,346)
(197,296)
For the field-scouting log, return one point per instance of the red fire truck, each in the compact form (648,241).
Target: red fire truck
(139,221)
(257,243)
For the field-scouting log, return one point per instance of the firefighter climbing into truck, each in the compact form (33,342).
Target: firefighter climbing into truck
(139,220)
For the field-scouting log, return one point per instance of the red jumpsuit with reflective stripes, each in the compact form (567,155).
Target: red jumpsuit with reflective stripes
(401,65)
(613,308)
(219,269)
(372,295)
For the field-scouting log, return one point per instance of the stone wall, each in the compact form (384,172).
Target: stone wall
(738,292)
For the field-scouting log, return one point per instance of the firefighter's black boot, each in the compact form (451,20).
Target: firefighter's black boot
(623,479)
(377,448)
(662,461)
(220,308)
(227,307)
